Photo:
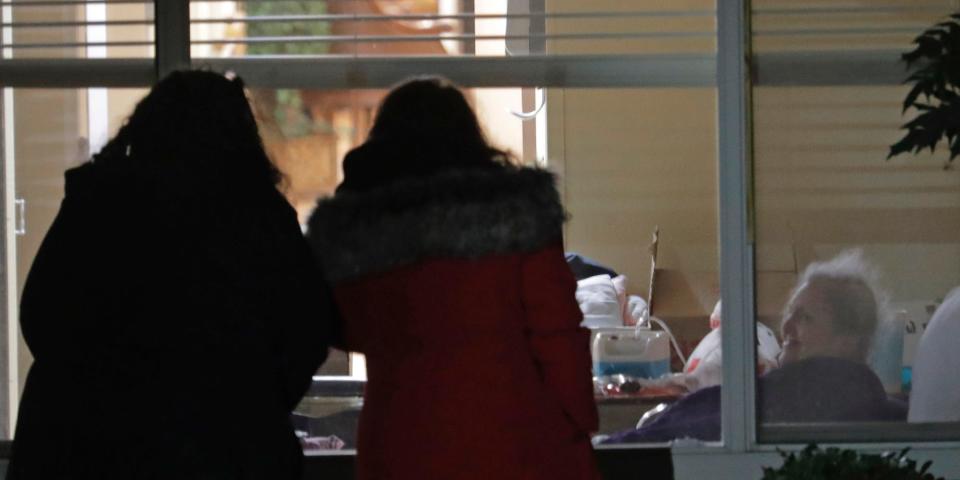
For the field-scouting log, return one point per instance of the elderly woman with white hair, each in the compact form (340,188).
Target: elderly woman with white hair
(834,311)
(936,385)
(828,329)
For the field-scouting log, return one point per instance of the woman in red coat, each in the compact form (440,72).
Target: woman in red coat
(447,263)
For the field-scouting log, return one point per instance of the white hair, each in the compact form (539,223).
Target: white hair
(853,293)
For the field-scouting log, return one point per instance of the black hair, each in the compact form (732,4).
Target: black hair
(423,126)
(198,123)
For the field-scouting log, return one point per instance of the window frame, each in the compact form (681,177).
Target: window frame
(745,446)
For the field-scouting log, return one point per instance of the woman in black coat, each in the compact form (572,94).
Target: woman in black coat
(173,310)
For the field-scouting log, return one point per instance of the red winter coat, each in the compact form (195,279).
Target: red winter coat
(455,288)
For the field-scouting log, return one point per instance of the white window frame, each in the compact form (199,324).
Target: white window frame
(740,452)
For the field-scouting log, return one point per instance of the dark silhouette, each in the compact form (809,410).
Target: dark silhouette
(447,264)
(423,127)
(173,310)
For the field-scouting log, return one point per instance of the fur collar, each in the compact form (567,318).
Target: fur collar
(458,214)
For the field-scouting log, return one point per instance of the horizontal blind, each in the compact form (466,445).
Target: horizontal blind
(76,29)
(352,28)
(843,25)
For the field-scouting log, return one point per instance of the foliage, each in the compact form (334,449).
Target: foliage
(937,79)
(286,28)
(814,463)
(290,114)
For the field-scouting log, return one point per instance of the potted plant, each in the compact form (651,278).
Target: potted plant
(935,94)
(814,463)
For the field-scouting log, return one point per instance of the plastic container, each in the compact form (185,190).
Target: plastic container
(636,352)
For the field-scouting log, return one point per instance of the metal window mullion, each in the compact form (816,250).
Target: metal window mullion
(538,27)
(864,432)
(829,68)
(5,320)
(77,73)
(738,401)
(469,26)
(172,19)
(598,71)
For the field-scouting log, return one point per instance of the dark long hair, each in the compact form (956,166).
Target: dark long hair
(423,126)
(197,123)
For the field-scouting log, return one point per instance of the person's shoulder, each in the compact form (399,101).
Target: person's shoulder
(455,213)
(105,179)
(822,389)
(82,179)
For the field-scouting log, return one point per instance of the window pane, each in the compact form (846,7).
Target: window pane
(636,162)
(77,30)
(626,160)
(831,25)
(854,251)
(45,132)
(450,27)
(623,157)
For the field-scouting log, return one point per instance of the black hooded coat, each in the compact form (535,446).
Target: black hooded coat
(174,325)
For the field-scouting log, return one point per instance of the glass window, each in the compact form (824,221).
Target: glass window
(449,27)
(639,163)
(854,255)
(854,251)
(77,29)
(624,157)
(45,132)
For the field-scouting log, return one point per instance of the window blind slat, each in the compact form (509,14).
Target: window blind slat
(108,23)
(382,28)
(460,16)
(80,29)
(18,46)
(842,25)
(68,3)
(437,38)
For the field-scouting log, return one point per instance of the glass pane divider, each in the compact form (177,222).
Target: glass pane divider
(936,435)
(77,73)
(738,399)
(9,327)
(172,35)
(811,68)
(688,70)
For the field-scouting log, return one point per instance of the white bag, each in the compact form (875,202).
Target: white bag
(705,365)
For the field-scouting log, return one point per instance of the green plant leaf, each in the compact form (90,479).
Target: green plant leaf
(954,149)
(936,80)
(814,463)
(912,96)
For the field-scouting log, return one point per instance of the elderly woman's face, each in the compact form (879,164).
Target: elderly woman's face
(808,328)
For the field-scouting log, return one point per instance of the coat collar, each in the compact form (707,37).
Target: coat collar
(453,214)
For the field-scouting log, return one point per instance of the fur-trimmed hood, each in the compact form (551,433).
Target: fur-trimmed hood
(455,214)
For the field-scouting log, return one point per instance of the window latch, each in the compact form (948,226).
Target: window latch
(21,216)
